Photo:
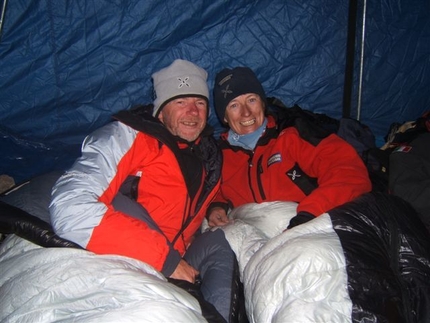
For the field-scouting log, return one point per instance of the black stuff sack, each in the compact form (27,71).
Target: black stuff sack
(409,176)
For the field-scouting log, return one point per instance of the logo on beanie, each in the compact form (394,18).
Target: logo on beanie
(183,82)
(226,91)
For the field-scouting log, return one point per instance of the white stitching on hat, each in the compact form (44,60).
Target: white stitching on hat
(183,82)
(226,91)
(225,79)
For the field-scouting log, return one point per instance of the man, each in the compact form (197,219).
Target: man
(262,162)
(143,183)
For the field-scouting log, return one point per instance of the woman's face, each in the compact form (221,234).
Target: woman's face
(245,113)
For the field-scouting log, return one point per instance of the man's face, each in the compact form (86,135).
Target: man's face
(185,117)
(245,113)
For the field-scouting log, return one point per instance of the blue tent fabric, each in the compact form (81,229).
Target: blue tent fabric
(67,66)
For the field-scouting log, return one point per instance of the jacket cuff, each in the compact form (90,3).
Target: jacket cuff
(300,218)
(213,205)
(172,260)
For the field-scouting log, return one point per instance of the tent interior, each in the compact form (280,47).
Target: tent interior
(67,66)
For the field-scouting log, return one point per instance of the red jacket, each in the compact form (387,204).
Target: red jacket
(288,168)
(83,208)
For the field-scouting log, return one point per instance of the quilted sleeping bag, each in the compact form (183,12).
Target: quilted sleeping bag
(365,261)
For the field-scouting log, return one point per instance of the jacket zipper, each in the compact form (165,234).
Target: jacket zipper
(185,222)
(190,208)
(259,173)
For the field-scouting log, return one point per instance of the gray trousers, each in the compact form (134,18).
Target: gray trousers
(211,255)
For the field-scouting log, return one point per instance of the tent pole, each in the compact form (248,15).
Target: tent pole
(3,10)
(360,84)
(349,64)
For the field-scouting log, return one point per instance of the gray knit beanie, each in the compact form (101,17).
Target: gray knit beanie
(230,83)
(180,79)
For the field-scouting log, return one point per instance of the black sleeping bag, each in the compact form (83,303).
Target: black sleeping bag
(16,221)
(387,252)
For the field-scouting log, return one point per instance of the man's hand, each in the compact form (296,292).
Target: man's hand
(185,272)
(217,217)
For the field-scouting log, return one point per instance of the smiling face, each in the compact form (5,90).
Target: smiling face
(245,113)
(185,117)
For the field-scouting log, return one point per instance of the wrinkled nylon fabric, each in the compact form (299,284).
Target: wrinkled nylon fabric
(67,66)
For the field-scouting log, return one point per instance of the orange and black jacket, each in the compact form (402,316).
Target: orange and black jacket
(318,172)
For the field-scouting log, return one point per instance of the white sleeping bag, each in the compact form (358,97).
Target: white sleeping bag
(294,276)
(71,285)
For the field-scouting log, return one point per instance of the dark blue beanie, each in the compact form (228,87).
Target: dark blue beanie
(230,83)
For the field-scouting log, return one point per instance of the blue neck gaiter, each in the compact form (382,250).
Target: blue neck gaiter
(247,141)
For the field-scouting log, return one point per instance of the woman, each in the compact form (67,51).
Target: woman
(264,163)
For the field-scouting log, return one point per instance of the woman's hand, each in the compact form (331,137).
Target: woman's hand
(217,217)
